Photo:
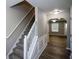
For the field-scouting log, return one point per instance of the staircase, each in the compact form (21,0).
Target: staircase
(30,46)
(18,51)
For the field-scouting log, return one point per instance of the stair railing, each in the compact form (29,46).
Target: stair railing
(28,40)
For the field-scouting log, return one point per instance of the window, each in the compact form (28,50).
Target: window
(55,27)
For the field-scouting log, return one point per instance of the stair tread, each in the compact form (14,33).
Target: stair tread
(21,41)
(18,52)
(13,56)
(20,45)
(22,37)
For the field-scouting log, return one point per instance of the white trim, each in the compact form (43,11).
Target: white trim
(25,47)
(18,24)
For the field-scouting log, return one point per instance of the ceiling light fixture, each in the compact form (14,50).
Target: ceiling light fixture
(53,20)
(56,11)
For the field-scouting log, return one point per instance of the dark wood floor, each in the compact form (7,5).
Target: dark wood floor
(56,48)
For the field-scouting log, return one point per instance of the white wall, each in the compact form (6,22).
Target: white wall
(42,23)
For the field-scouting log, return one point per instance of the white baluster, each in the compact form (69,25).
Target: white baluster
(25,47)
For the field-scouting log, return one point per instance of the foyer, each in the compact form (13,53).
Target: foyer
(38,29)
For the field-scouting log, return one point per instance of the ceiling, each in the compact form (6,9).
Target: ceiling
(49,5)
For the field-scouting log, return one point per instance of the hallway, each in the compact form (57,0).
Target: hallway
(38,28)
(56,48)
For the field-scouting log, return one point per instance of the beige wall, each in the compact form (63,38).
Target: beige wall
(42,23)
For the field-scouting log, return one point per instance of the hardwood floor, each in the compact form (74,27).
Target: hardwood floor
(56,48)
